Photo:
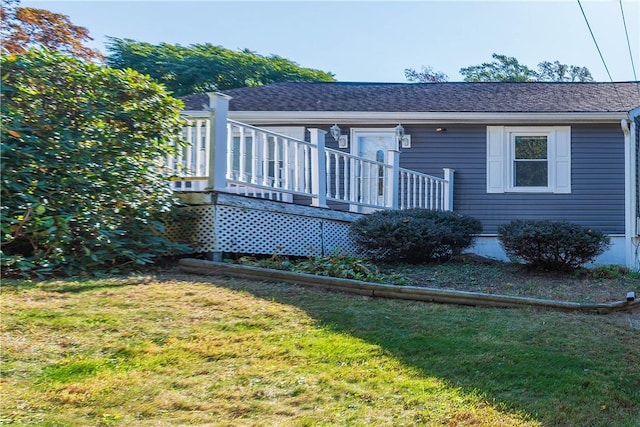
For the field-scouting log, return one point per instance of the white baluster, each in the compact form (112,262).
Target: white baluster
(242,156)
(286,182)
(348,179)
(401,192)
(204,150)
(265,158)
(298,168)
(276,163)
(339,167)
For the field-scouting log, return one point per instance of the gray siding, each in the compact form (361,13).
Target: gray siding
(597,177)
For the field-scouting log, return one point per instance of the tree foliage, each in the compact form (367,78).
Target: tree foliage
(507,69)
(204,67)
(426,75)
(23,28)
(557,72)
(502,69)
(82,187)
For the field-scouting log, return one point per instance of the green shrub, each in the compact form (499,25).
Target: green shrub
(333,265)
(414,235)
(82,186)
(551,245)
(336,265)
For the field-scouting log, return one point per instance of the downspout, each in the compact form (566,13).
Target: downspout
(632,240)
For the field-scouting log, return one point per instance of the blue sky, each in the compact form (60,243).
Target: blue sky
(374,41)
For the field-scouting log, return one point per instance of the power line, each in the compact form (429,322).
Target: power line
(600,53)
(626,32)
(633,66)
(595,42)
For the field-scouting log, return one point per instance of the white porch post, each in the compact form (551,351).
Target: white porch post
(448,189)
(218,110)
(392,189)
(318,168)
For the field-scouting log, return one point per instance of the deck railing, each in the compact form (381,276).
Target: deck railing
(356,180)
(191,166)
(261,163)
(418,190)
(267,164)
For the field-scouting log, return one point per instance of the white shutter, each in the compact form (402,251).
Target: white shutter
(495,159)
(562,163)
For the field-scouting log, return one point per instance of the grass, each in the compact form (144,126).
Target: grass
(183,349)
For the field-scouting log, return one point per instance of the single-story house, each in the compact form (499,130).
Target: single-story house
(556,151)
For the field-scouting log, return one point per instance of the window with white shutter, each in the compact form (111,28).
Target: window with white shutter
(531,159)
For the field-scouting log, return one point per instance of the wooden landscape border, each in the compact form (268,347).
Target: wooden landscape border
(416,293)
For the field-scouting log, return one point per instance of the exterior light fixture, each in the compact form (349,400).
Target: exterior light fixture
(404,141)
(441,129)
(399,133)
(336,133)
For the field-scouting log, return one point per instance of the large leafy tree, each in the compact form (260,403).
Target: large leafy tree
(82,185)
(23,28)
(204,67)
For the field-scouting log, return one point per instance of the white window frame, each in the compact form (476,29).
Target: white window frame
(501,158)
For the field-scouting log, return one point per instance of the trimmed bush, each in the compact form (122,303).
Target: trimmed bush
(414,235)
(551,245)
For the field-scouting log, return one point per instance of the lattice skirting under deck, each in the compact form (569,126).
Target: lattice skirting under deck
(268,229)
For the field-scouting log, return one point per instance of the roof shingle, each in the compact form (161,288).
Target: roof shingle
(431,97)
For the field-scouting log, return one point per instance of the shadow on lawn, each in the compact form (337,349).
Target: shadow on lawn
(561,368)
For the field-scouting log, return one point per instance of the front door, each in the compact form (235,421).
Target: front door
(368,183)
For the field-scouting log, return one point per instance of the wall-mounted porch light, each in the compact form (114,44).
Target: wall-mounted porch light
(404,141)
(342,140)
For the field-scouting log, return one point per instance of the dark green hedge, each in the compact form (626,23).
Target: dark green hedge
(551,245)
(414,235)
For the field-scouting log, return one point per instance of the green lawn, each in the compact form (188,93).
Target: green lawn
(180,350)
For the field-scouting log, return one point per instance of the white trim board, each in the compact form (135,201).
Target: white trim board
(393,118)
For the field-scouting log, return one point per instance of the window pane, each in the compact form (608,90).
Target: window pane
(531,147)
(530,174)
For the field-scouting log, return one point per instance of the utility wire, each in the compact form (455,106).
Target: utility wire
(626,33)
(600,53)
(595,42)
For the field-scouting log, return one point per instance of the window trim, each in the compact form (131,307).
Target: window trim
(501,158)
(511,172)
